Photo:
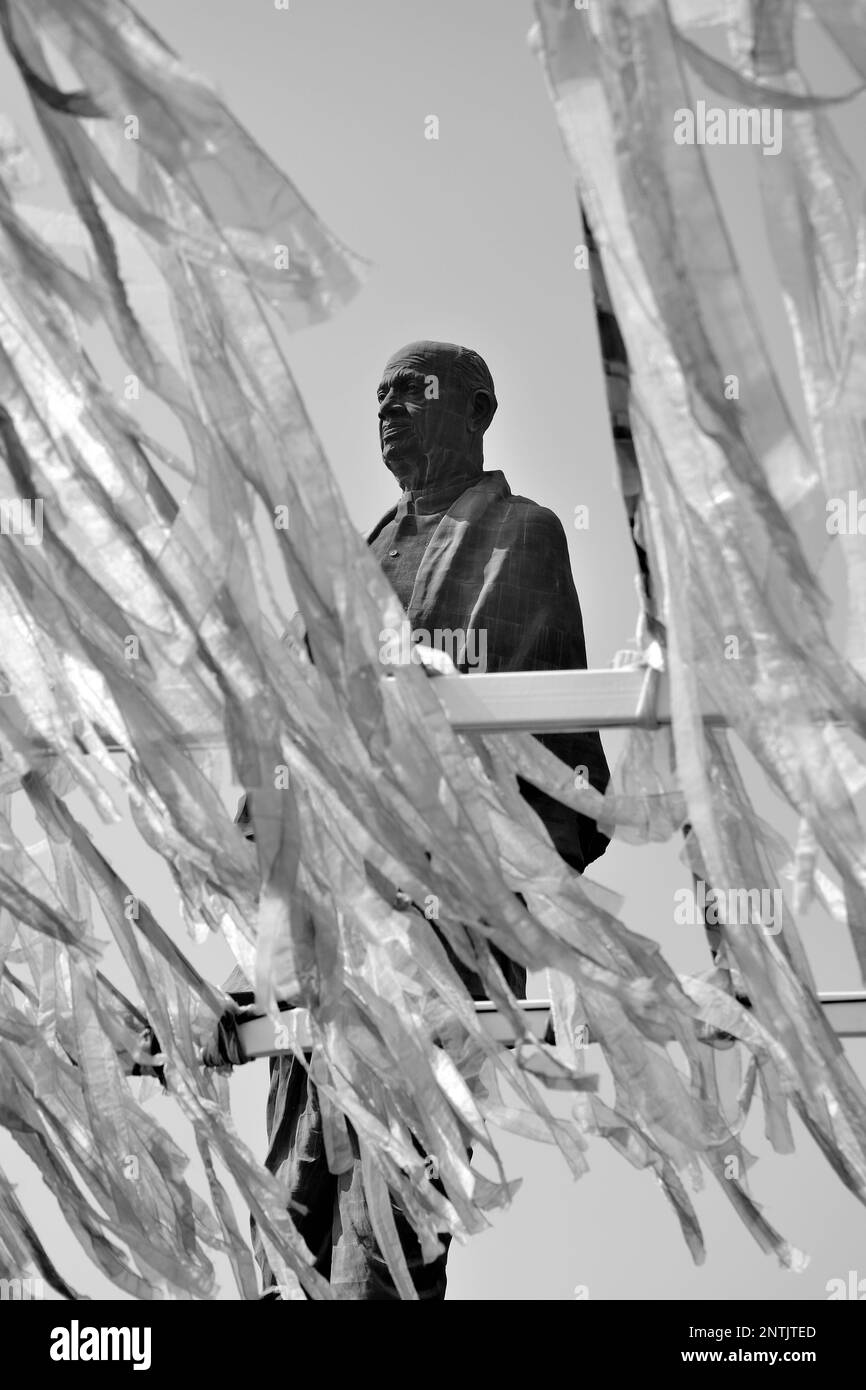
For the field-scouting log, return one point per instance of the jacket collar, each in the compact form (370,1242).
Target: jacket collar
(490,487)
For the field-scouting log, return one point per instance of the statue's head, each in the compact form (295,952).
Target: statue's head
(435,402)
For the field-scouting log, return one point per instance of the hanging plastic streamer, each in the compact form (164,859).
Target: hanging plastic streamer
(734,501)
(147,619)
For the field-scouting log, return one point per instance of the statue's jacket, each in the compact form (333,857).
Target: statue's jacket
(497,570)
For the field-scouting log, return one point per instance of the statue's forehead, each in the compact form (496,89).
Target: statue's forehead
(423,356)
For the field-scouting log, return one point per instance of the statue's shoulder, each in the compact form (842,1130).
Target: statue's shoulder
(541,521)
(522,509)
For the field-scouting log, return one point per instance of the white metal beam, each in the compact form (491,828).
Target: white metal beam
(263,1037)
(553,701)
(540,702)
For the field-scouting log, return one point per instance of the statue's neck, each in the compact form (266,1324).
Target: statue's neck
(444,473)
(437,498)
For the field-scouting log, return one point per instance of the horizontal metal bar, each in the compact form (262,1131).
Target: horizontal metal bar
(265,1037)
(846,1013)
(552,701)
(531,702)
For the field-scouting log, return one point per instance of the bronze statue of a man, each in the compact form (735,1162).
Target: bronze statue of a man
(464,555)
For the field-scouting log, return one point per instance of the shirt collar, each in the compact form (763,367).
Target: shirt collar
(434,500)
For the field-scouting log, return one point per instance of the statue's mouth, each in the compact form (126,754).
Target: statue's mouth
(393,433)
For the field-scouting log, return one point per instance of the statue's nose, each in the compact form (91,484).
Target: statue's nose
(389,406)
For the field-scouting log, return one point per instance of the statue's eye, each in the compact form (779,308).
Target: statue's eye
(403,385)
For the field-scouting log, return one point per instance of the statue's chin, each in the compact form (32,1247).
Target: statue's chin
(406,470)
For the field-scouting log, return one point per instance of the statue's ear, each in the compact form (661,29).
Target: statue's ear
(483,410)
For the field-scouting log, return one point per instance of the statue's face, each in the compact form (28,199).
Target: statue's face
(425,417)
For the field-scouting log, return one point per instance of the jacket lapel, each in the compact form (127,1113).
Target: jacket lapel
(429,593)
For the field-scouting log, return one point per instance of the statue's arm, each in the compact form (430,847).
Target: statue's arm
(555,641)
